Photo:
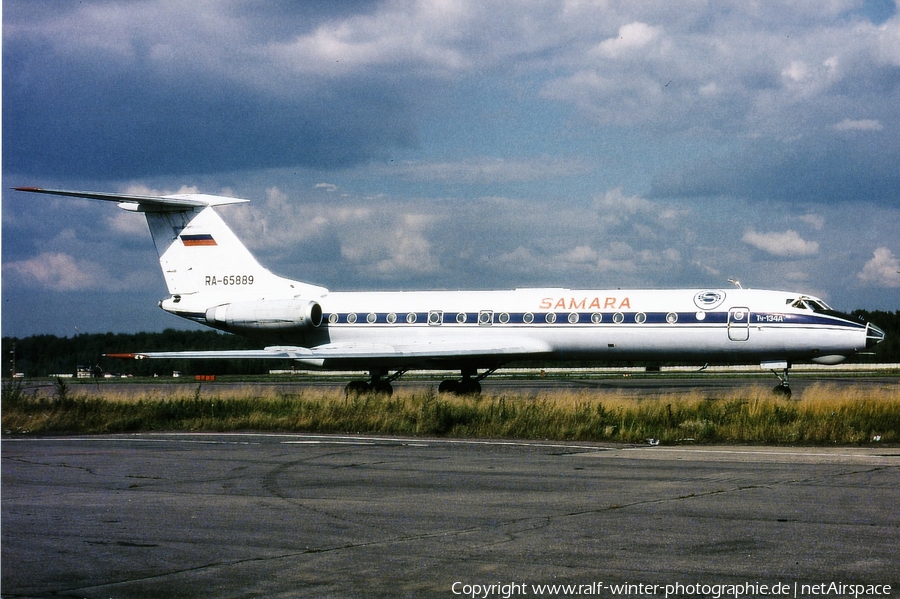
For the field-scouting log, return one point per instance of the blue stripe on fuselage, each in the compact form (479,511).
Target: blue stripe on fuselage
(587,318)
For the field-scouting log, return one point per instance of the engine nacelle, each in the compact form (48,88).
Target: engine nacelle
(266,315)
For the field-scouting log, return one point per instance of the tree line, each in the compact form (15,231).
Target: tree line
(45,355)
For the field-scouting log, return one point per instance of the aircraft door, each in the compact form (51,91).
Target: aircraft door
(739,324)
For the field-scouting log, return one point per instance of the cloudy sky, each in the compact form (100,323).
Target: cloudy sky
(453,144)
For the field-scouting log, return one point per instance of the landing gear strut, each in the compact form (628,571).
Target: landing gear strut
(784,389)
(469,384)
(378,383)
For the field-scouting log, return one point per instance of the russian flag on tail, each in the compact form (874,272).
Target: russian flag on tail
(195,240)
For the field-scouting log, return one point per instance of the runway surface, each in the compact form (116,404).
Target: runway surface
(263,515)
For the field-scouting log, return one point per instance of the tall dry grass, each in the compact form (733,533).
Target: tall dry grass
(821,414)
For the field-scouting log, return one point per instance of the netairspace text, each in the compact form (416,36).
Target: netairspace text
(716,591)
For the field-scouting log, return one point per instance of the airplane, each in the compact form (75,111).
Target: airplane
(214,280)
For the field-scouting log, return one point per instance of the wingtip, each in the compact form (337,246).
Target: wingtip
(124,356)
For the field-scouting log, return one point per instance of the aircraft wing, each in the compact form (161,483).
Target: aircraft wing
(168,202)
(349,351)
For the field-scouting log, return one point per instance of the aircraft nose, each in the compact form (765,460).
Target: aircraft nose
(874,335)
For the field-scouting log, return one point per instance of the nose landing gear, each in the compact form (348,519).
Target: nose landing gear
(784,388)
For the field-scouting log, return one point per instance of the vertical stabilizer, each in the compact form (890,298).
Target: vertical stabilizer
(199,254)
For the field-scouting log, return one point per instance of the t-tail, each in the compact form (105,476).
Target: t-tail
(211,276)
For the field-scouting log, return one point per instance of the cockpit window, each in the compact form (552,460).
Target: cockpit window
(808,303)
(818,306)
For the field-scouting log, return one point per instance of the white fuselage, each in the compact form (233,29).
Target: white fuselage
(746,325)
(696,325)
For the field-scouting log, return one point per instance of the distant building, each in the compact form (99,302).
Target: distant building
(84,371)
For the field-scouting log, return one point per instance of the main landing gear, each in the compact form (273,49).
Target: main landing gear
(469,384)
(378,383)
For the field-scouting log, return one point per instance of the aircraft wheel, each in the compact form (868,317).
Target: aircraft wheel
(382,388)
(782,391)
(449,386)
(469,387)
(355,388)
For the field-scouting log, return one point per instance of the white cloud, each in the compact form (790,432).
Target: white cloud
(883,270)
(797,72)
(400,33)
(281,223)
(630,37)
(409,253)
(614,60)
(617,202)
(521,260)
(672,255)
(139,189)
(816,221)
(127,223)
(59,272)
(396,249)
(859,125)
(579,255)
(488,169)
(788,243)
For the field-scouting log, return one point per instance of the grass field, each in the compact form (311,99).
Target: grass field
(819,415)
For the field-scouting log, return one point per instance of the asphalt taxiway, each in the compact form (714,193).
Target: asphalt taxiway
(264,515)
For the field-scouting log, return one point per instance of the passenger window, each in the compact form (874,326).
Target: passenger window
(528,318)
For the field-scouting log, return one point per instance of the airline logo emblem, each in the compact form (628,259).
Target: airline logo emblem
(195,240)
(707,300)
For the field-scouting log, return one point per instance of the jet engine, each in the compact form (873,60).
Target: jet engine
(266,315)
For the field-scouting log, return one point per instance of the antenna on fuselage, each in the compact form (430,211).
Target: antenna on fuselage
(736,283)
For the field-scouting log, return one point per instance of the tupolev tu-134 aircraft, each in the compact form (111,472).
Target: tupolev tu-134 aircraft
(213,279)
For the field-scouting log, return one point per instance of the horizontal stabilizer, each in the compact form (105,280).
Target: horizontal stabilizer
(179,201)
